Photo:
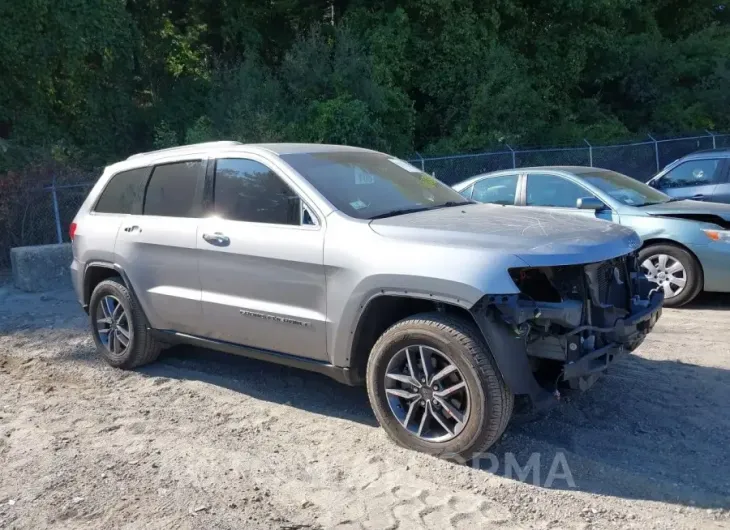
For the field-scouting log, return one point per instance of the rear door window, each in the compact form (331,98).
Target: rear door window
(175,190)
(496,190)
(123,193)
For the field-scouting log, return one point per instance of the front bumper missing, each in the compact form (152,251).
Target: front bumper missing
(508,324)
(626,335)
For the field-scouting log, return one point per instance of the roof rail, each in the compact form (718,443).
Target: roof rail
(203,145)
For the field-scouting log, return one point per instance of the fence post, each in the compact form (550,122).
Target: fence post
(714,145)
(590,152)
(56,214)
(514,160)
(423,162)
(656,151)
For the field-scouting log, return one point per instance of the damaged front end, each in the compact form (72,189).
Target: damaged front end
(568,324)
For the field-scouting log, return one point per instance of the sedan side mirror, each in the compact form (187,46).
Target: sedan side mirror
(589,203)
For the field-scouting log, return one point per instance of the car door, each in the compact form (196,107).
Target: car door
(695,179)
(722,190)
(261,262)
(548,190)
(157,248)
(499,189)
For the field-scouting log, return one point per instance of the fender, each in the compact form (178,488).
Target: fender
(125,279)
(509,351)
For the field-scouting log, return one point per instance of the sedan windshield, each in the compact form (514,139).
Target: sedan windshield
(369,185)
(622,188)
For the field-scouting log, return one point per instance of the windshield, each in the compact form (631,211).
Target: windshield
(368,185)
(624,189)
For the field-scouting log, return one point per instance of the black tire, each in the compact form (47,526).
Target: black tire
(694,279)
(491,402)
(142,348)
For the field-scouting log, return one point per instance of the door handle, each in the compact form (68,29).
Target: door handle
(698,197)
(133,228)
(218,239)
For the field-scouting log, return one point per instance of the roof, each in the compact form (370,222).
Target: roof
(295,148)
(276,148)
(718,151)
(578,170)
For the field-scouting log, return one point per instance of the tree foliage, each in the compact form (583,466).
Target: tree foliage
(93,80)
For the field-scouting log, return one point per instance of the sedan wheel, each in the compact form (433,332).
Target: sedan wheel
(667,272)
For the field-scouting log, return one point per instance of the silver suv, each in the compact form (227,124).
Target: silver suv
(356,264)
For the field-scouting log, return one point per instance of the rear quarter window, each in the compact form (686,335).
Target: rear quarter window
(123,193)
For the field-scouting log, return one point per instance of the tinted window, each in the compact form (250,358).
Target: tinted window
(249,191)
(551,190)
(692,173)
(123,193)
(496,190)
(366,185)
(172,190)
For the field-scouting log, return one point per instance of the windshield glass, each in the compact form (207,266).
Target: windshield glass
(368,185)
(624,189)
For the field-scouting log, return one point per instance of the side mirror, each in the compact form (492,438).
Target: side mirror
(589,203)
(654,183)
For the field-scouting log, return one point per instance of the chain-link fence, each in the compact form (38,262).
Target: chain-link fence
(639,160)
(40,214)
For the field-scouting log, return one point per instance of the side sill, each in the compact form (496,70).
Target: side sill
(342,375)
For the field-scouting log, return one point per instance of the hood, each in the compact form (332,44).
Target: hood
(705,212)
(688,207)
(539,238)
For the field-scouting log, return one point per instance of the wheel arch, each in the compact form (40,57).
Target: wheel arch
(381,312)
(96,272)
(664,241)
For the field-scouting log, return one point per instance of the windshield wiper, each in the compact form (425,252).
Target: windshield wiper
(673,199)
(402,211)
(449,204)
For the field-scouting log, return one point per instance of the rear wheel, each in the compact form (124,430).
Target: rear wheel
(434,387)
(674,270)
(118,326)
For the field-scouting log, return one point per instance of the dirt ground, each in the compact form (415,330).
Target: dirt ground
(204,440)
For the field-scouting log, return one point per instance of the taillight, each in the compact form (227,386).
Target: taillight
(72,231)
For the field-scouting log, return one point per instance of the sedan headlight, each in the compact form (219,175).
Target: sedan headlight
(718,235)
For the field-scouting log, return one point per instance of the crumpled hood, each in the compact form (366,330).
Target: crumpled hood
(689,207)
(537,237)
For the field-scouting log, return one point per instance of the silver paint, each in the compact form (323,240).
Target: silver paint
(301,289)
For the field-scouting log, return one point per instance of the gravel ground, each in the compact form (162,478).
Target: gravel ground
(204,440)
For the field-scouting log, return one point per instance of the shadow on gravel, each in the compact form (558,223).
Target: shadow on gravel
(266,381)
(652,430)
(712,301)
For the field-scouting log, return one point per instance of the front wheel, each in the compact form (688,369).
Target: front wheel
(434,387)
(674,270)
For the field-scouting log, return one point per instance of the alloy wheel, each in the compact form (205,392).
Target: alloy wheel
(112,325)
(427,393)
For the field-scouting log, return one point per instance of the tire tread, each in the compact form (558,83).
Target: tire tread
(147,349)
(499,398)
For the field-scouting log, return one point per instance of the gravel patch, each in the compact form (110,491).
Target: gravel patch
(205,440)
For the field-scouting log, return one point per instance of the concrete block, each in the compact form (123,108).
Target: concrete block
(42,267)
